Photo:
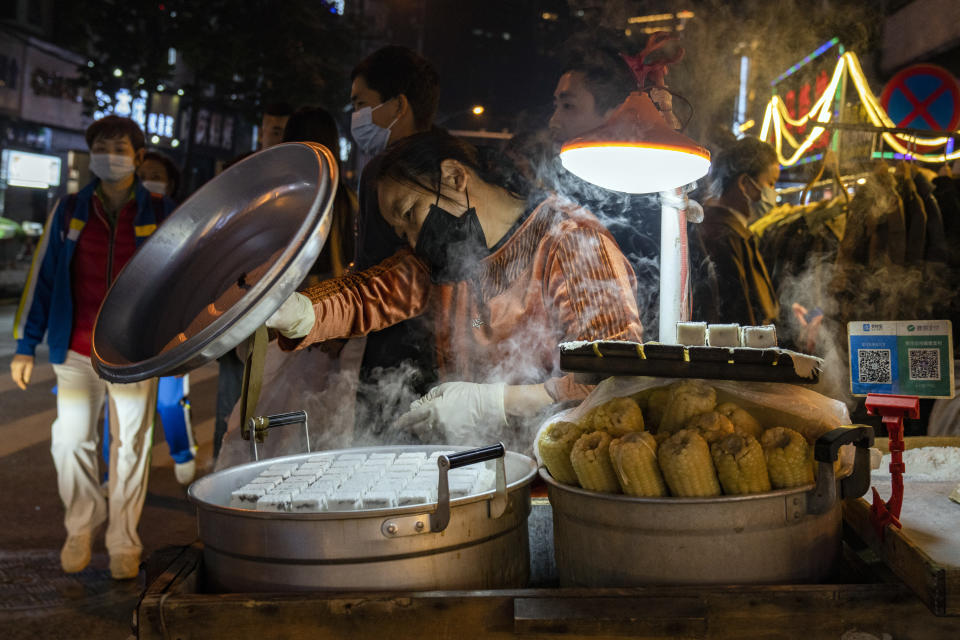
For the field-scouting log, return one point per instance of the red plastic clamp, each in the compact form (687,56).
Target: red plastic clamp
(893,410)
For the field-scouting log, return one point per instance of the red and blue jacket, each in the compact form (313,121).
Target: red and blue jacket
(77,259)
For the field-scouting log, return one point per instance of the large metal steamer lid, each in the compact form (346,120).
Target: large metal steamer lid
(219,266)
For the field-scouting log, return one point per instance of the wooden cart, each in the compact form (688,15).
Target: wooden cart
(865,598)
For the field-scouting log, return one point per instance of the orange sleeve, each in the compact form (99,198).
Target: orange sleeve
(359,303)
(592,288)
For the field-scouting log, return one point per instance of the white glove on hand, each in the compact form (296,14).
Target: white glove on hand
(295,317)
(456,412)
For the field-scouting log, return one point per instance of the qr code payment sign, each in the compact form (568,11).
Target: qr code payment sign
(924,364)
(875,366)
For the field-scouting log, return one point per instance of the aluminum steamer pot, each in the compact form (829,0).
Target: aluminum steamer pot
(475,542)
(785,536)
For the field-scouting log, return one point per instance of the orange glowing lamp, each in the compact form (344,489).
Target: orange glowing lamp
(635,151)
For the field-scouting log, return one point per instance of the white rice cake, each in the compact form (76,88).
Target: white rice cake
(326,485)
(247,497)
(381,456)
(276,473)
(379,499)
(346,464)
(310,474)
(285,465)
(325,458)
(316,465)
(723,335)
(412,456)
(309,501)
(275,502)
(361,480)
(290,487)
(459,489)
(352,456)
(692,334)
(405,467)
(762,337)
(268,481)
(410,496)
(486,480)
(345,499)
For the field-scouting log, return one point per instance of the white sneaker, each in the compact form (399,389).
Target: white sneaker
(185,471)
(124,566)
(75,554)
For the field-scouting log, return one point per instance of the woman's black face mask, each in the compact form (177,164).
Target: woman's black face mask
(451,246)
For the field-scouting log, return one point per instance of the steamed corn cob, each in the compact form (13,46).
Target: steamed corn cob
(686,465)
(653,402)
(711,425)
(741,419)
(688,399)
(634,458)
(555,444)
(740,464)
(617,417)
(591,462)
(788,458)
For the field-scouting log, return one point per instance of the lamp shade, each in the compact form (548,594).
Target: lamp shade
(635,151)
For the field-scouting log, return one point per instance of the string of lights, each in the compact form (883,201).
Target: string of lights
(776,115)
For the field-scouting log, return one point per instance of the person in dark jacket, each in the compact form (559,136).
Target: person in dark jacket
(730,281)
(394,94)
(87,241)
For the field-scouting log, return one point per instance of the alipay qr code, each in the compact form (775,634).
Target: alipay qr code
(924,364)
(874,366)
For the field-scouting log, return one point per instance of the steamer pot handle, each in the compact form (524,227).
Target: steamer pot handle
(498,504)
(825,452)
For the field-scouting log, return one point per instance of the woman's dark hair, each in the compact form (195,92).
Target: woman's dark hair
(393,70)
(110,127)
(748,156)
(313,125)
(415,160)
(173,172)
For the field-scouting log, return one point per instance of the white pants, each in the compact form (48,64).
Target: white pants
(75,448)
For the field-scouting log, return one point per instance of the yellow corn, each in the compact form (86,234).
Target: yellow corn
(740,464)
(653,402)
(634,458)
(687,399)
(741,419)
(591,462)
(617,417)
(788,458)
(711,425)
(686,465)
(555,444)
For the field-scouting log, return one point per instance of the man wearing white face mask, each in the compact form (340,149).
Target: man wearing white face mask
(730,280)
(88,239)
(394,94)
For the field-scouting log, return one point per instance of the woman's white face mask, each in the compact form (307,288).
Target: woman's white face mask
(112,167)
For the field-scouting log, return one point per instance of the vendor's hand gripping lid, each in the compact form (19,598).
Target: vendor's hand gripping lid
(217,268)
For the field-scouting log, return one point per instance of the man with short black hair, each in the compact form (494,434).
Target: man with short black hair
(274,120)
(394,94)
(593,84)
(88,239)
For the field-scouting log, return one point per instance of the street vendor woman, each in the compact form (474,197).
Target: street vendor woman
(505,276)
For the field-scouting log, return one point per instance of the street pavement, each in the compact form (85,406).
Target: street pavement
(36,599)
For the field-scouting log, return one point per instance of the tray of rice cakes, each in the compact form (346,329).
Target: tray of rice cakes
(724,352)
(690,438)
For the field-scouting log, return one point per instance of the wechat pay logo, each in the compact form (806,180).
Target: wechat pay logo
(910,327)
